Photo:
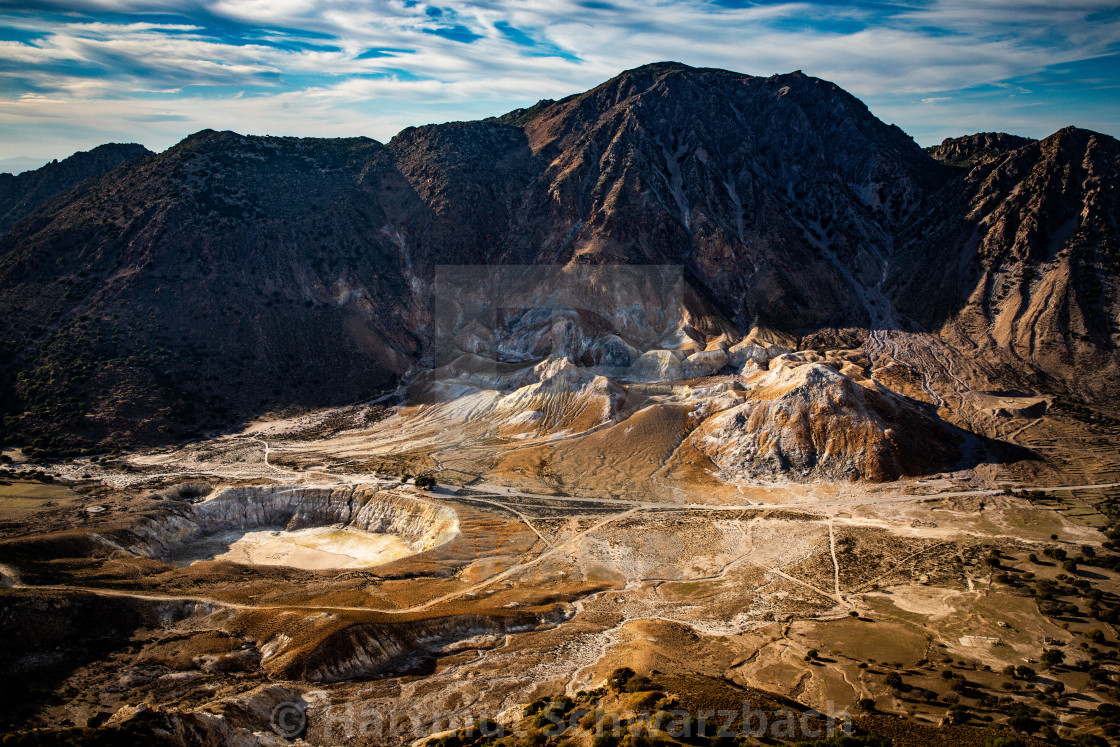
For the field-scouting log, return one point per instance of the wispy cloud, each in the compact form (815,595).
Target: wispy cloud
(77,72)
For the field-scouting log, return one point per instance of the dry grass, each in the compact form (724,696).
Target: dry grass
(19,499)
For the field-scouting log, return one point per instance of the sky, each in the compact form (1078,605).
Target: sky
(77,73)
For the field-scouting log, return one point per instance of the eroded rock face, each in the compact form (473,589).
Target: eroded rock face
(1019,264)
(813,422)
(246,720)
(370,649)
(422,524)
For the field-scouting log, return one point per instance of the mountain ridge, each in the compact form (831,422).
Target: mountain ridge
(300,271)
(22,194)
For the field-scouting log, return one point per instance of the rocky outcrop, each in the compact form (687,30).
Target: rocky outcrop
(812,422)
(255,718)
(372,649)
(658,365)
(970,150)
(422,524)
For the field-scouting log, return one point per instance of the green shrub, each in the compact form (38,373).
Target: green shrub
(619,678)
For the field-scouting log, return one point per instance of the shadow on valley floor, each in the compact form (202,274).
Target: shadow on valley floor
(49,637)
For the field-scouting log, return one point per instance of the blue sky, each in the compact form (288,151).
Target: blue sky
(76,73)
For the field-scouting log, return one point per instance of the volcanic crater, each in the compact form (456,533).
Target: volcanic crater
(308,528)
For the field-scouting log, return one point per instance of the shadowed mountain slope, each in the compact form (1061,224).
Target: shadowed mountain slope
(22,194)
(1018,261)
(233,275)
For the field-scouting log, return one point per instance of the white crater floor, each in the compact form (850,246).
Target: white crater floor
(313,549)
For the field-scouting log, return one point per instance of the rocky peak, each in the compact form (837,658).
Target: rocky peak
(969,150)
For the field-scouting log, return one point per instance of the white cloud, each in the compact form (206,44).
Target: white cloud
(100,67)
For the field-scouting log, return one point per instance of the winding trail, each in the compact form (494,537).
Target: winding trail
(512,510)
(1013,436)
(267,451)
(835,564)
(9,573)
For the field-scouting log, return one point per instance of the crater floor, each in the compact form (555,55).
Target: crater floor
(312,549)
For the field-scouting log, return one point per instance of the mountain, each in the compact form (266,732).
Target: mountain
(774,192)
(202,283)
(22,194)
(1019,263)
(234,275)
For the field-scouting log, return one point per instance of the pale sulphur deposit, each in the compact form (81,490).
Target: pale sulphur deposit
(314,548)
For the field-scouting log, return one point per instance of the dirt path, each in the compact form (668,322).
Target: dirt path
(835,564)
(787,577)
(267,451)
(10,574)
(512,510)
(121,594)
(1013,437)
(498,490)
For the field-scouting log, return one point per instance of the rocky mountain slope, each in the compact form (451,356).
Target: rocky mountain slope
(225,275)
(1019,263)
(233,275)
(22,194)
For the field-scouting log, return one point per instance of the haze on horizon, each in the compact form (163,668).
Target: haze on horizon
(85,72)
